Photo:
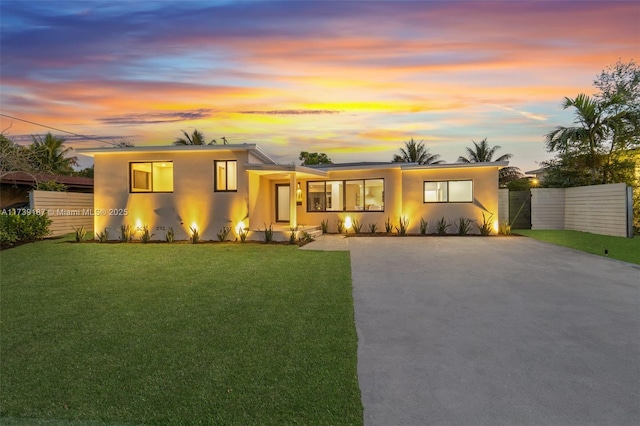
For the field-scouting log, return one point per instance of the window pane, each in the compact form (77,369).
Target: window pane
(460,191)
(221,175)
(435,192)
(315,196)
(334,196)
(140,177)
(232,176)
(354,195)
(374,194)
(163,177)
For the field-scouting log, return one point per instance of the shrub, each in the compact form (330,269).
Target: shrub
(464,225)
(486,227)
(170,235)
(340,226)
(17,228)
(126,234)
(224,232)
(242,233)
(306,237)
(402,226)
(103,236)
(293,233)
(504,229)
(80,233)
(373,228)
(357,226)
(146,235)
(423,226)
(268,233)
(441,226)
(51,185)
(324,225)
(388,226)
(195,235)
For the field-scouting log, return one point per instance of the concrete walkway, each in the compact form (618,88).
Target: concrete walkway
(493,331)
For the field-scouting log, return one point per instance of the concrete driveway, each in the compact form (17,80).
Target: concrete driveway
(494,331)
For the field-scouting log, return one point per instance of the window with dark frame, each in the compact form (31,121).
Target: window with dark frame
(151,176)
(225,175)
(353,195)
(448,191)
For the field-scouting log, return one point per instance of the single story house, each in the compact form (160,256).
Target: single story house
(240,186)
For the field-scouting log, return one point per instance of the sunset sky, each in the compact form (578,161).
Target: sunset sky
(353,79)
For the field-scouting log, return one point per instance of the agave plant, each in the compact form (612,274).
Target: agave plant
(464,225)
(485,228)
(224,232)
(373,228)
(195,235)
(423,226)
(146,235)
(403,226)
(80,233)
(441,226)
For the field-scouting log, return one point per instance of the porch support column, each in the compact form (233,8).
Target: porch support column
(293,219)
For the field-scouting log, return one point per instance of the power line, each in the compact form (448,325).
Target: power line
(57,130)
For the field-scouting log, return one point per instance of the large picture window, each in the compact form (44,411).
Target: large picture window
(226,175)
(156,176)
(346,195)
(452,191)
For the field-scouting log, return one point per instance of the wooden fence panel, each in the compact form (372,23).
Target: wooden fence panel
(67,210)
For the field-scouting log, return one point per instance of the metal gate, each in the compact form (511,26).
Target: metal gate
(520,209)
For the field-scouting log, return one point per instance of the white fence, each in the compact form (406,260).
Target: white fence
(67,210)
(599,209)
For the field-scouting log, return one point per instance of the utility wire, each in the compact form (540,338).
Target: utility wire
(58,130)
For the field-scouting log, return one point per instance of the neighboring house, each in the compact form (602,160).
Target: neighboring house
(15,186)
(213,186)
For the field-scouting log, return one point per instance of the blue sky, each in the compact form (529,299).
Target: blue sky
(352,79)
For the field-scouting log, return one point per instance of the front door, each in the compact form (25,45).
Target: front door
(282,202)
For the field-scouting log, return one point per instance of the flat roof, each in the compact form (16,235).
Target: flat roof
(254,148)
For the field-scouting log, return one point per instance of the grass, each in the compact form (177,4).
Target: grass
(176,334)
(626,249)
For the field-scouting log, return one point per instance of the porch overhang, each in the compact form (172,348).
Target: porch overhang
(284,171)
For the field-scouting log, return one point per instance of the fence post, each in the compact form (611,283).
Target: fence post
(629,212)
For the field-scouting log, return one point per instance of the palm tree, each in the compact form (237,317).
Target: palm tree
(593,129)
(483,153)
(51,155)
(416,152)
(196,138)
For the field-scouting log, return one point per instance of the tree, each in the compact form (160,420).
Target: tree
(416,152)
(483,153)
(588,138)
(196,138)
(16,158)
(51,155)
(309,158)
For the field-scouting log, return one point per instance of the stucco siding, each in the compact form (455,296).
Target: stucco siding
(392,201)
(193,201)
(485,197)
(503,205)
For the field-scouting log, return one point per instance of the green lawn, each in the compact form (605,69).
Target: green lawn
(176,334)
(627,249)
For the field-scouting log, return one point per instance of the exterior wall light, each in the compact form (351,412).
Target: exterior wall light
(299,195)
(348,223)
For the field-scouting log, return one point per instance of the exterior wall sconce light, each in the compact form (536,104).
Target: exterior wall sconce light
(299,195)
